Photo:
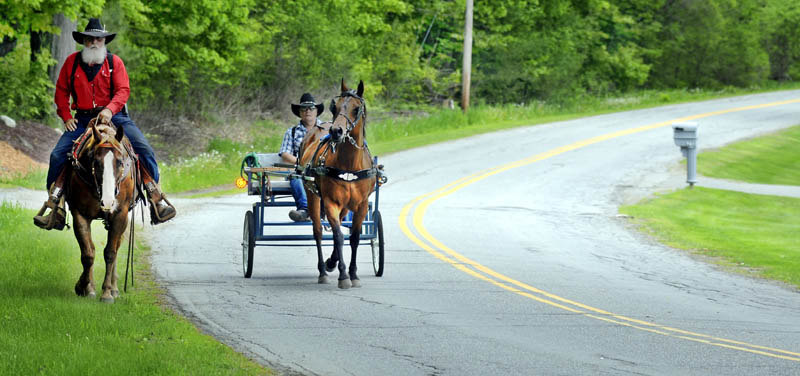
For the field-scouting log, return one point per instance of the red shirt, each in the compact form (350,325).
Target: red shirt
(93,93)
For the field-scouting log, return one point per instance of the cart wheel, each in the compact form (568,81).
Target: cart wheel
(377,245)
(248,244)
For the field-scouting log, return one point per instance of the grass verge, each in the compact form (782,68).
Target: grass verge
(769,159)
(219,165)
(754,233)
(46,328)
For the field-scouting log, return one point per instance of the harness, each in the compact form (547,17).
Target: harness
(332,172)
(317,168)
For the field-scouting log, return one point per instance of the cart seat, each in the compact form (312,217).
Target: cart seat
(278,185)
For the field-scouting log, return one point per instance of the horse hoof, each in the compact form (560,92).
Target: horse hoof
(108,300)
(355,282)
(330,265)
(322,279)
(115,294)
(85,293)
(344,284)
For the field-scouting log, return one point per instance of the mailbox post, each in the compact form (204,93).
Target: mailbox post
(685,136)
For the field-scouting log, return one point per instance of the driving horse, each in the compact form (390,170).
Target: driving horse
(344,177)
(102,186)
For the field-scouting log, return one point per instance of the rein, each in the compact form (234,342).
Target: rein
(316,167)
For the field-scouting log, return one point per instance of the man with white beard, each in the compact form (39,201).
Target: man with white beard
(99,86)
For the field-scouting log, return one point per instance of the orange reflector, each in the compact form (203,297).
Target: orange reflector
(240,182)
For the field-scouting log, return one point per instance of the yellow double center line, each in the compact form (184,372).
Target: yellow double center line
(415,210)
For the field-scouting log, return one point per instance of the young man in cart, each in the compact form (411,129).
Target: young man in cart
(308,110)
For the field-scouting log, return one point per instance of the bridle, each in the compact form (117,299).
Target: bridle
(316,166)
(351,123)
(127,164)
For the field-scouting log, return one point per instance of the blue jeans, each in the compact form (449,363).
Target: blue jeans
(299,194)
(60,153)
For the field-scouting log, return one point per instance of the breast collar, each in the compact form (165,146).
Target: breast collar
(319,169)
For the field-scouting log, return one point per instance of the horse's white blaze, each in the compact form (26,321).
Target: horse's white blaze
(108,200)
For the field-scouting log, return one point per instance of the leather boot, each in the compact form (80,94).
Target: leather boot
(56,219)
(161,210)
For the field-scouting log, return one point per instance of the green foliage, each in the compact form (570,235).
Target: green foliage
(26,88)
(22,16)
(710,44)
(181,49)
(782,40)
(304,51)
(209,60)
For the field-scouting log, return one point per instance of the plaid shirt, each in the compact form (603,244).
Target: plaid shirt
(292,146)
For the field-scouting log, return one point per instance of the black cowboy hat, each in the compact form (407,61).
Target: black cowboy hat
(307,101)
(93,29)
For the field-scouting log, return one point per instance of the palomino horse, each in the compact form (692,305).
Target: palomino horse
(102,186)
(344,177)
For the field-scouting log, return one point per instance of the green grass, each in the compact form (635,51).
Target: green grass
(770,159)
(33,180)
(753,232)
(45,328)
(219,166)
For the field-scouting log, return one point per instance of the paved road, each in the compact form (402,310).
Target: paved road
(524,268)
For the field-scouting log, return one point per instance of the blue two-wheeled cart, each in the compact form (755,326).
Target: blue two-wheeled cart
(267,177)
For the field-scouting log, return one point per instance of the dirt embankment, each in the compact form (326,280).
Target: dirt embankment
(25,147)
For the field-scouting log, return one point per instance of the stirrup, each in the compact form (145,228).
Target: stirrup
(57,218)
(155,217)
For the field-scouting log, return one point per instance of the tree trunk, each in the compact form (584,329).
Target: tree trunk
(63,44)
(7,45)
(37,38)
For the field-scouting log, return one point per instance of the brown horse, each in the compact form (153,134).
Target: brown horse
(102,186)
(344,177)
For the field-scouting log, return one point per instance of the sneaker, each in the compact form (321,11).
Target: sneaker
(299,215)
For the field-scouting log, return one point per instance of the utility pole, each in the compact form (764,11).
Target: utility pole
(466,68)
